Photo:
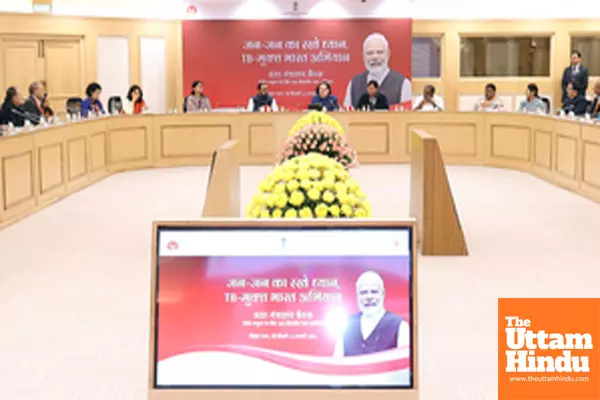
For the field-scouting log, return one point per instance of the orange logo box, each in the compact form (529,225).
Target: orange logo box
(549,349)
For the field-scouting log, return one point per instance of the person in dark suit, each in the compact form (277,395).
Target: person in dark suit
(12,108)
(262,99)
(324,98)
(594,108)
(576,73)
(373,328)
(373,99)
(576,103)
(34,103)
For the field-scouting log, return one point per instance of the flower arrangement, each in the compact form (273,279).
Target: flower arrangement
(314,118)
(319,138)
(310,186)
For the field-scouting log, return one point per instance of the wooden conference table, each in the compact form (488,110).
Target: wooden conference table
(42,166)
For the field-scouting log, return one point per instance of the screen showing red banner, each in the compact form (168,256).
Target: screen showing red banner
(288,308)
(293,57)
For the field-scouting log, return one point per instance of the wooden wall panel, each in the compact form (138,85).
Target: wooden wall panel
(19,176)
(50,155)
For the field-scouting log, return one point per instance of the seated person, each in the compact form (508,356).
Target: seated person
(490,102)
(325,98)
(46,109)
(92,104)
(197,100)
(532,102)
(594,108)
(12,108)
(576,102)
(262,99)
(135,103)
(429,101)
(373,99)
(33,104)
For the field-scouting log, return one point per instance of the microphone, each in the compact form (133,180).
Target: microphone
(27,115)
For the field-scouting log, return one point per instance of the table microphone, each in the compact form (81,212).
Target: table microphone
(27,115)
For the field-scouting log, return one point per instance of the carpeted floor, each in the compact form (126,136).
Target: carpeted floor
(74,278)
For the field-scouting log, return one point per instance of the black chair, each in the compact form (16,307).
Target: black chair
(185,104)
(115,105)
(547,103)
(73,106)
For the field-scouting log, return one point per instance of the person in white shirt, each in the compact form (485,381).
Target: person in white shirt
(376,55)
(429,101)
(373,329)
(262,99)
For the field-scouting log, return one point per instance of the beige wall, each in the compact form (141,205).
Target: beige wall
(88,29)
(452,86)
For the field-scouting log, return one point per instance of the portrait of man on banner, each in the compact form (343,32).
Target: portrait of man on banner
(396,87)
(373,328)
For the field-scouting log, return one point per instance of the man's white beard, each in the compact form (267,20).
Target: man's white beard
(377,71)
(370,311)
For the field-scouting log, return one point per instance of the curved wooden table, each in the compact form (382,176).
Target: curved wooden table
(42,166)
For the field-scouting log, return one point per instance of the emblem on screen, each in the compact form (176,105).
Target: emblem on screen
(172,245)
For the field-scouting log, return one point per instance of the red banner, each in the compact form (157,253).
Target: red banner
(293,56)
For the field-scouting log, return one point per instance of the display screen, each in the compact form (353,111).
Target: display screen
(283,308)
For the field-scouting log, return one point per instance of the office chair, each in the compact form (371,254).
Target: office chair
(115,105)
(73,106)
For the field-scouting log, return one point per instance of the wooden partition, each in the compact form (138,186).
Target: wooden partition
(439,231)
(42,166)
(223,190)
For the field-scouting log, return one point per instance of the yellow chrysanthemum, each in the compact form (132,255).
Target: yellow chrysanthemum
(314,174)
(281,200)
(266,185)
(306,213)
(302,174)
(335,210)
(328,197)
(277,213)
(341,188)
(293,185)
(360,213)
(279,188)
(321,210)
(265,214)
(256,211)
(269,199)
(291,213)
(352,185)
(343,198)
(347,210)
(360,194)
(306,184)
(314,194)
(297,198)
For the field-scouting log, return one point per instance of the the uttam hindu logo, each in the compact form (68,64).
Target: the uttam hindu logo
(524,344)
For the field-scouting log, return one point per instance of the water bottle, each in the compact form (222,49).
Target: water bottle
(11,129)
